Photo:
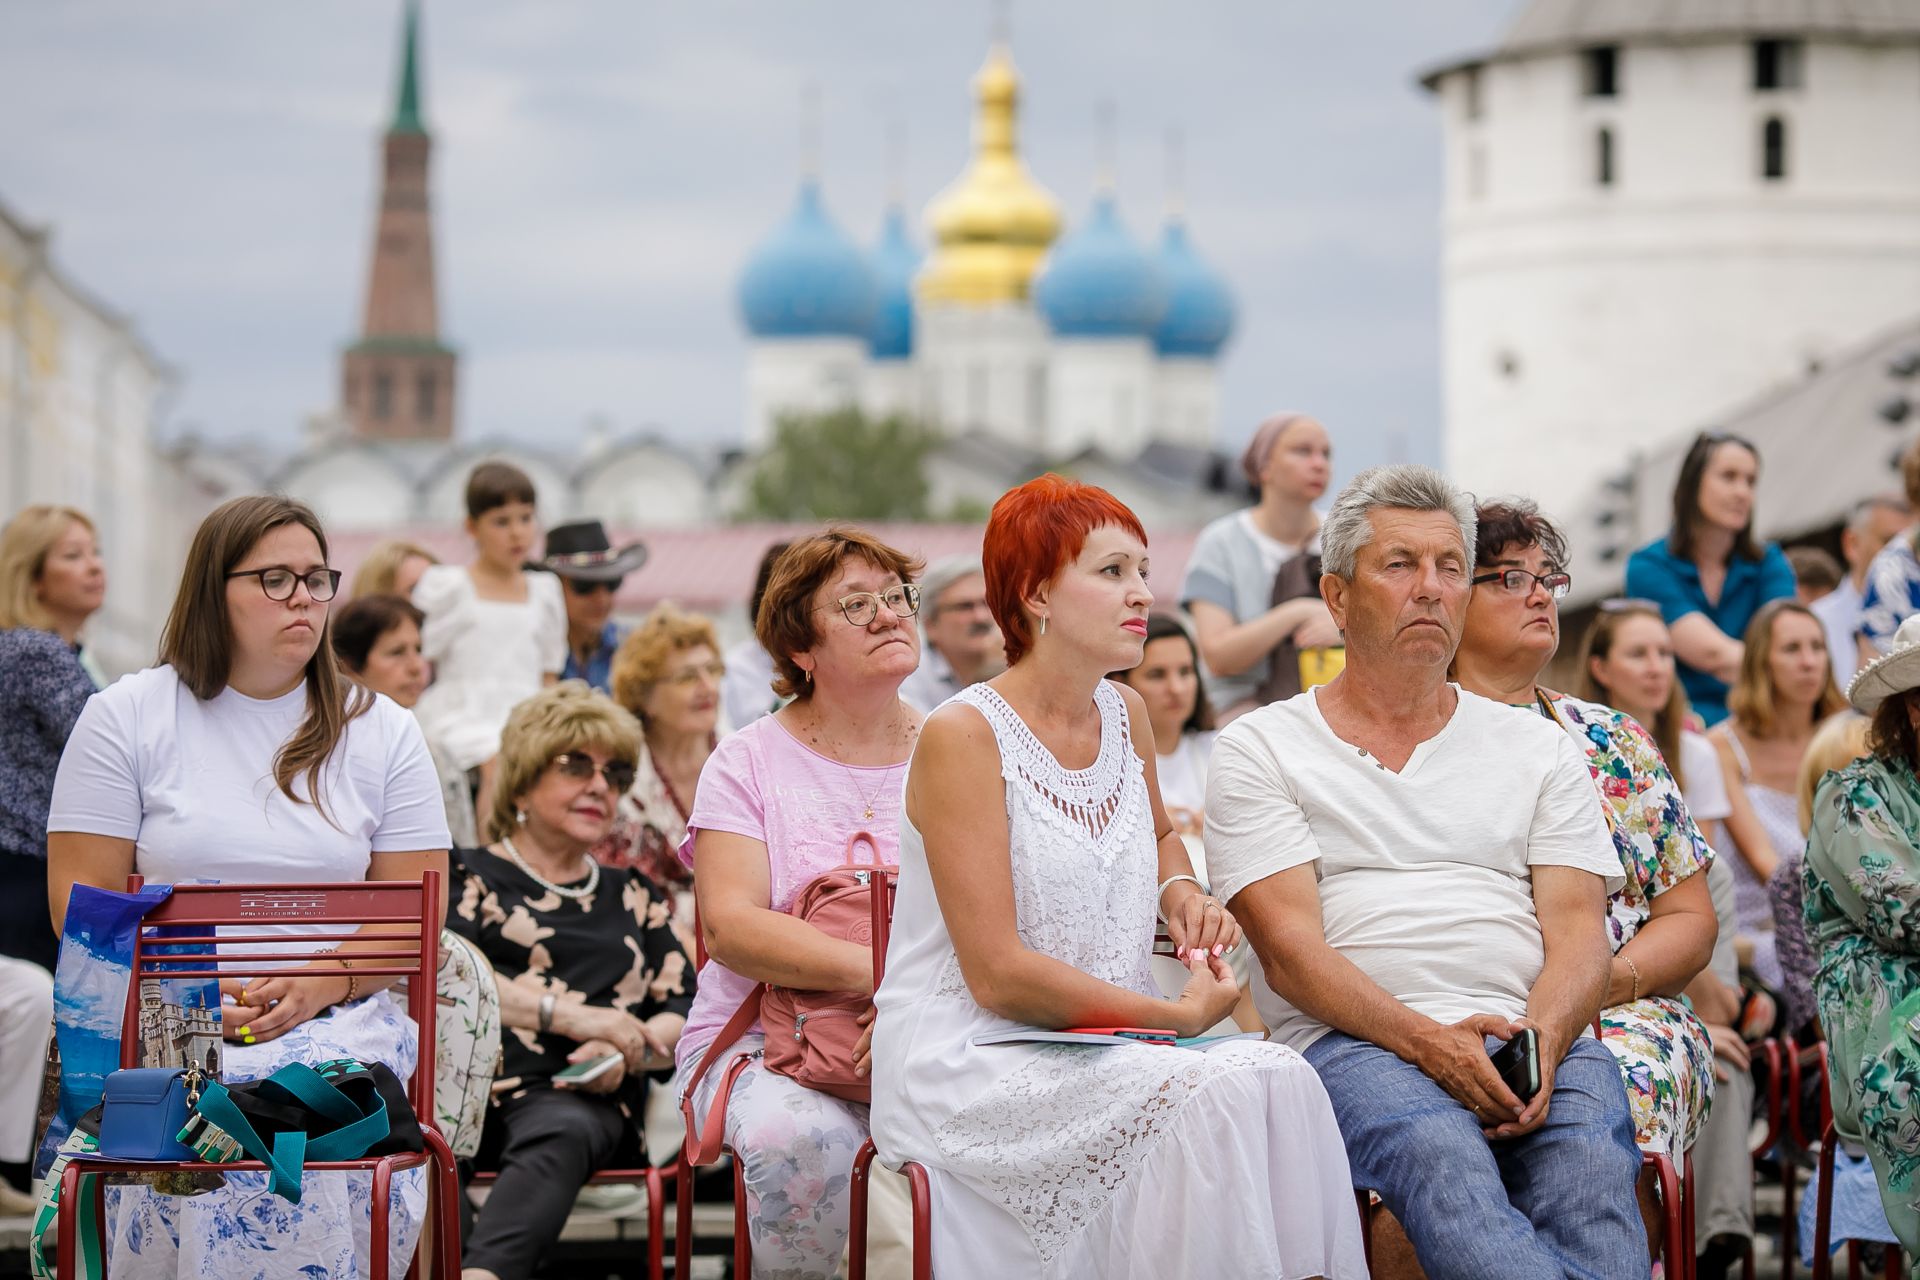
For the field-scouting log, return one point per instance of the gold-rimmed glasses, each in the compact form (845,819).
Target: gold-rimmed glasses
(862,607)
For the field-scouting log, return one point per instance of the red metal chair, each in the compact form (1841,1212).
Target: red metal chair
(1823,1201)
(194,912)
(1796,1062)
(921,1191)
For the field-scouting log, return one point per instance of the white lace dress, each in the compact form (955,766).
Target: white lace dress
(1056,1160)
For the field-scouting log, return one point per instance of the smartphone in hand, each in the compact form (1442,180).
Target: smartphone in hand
(579,1073)
(1518,1062)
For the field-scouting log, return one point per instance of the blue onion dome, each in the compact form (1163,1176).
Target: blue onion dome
(1099,283)
(895,262)
(1199,315)
(807,279)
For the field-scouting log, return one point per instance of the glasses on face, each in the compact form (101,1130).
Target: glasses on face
(581,588)
(279,582)
(1630,604)
(862,607)
(1520,581)
(579,766)
(687,676)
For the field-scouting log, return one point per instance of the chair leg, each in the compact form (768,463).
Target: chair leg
(656,1224)
(1789,1216)
(857,1212)
(682,1217)
(922,1190)
(382,1209)
(1672,1247)
(1690,1243)
(1823,1210)
(742,1244)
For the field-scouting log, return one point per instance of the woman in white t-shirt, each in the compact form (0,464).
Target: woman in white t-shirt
(1168,681)
(246,756)
(1230,575)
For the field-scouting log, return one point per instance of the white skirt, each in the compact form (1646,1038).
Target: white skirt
(1127,1161)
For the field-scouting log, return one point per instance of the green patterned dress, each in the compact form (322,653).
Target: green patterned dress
(1862,882)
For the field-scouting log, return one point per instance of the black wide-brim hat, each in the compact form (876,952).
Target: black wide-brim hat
(581,551)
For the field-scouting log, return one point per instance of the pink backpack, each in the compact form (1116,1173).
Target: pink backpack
(810,1034)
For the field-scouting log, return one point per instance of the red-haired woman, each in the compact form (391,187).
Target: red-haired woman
(1031,844)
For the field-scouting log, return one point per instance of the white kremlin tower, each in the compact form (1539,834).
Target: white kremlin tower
(1655,212)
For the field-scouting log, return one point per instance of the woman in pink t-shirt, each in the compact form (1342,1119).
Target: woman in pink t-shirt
(776,805)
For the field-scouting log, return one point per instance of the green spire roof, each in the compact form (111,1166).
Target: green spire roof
(406,111)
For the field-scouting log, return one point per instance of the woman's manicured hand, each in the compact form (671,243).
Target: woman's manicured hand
(1198,921)
(268,1007)
(1210,994)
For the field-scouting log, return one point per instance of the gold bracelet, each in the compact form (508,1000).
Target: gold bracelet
(1634,969)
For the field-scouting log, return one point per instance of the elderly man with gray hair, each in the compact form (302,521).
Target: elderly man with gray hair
(1423,874)
(960,643)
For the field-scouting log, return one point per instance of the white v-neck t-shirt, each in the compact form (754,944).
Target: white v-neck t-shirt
(1425,875)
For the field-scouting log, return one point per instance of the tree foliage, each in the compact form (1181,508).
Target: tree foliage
(841,465)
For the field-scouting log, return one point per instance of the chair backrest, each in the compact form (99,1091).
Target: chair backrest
(406,912)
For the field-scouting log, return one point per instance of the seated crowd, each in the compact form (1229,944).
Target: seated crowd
(1422,923)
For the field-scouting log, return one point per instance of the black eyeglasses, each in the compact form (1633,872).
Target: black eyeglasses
(862,607)
(579,766)
(1521,581)
(279,582)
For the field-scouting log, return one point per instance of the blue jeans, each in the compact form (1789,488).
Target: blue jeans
(1557,1202)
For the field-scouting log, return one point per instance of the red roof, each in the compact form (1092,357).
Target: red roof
(711,570)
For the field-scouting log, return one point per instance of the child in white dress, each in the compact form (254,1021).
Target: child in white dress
(496,631)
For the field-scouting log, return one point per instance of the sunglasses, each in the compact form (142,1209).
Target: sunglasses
(579,766)
(581,588)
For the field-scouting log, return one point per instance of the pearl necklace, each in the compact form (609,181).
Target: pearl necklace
(578,895)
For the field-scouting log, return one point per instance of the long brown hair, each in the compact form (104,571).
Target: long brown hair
(1686,496)
(1750,701)
(198,640)
(1669,720)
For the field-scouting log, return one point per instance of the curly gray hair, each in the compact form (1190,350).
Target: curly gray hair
(1407,487)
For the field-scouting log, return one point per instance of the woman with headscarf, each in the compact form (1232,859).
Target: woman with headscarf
(1253,581)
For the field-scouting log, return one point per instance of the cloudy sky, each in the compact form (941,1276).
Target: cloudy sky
(603,169)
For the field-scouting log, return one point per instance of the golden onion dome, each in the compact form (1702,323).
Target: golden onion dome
(993,225)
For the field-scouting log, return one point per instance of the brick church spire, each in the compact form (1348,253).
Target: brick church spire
(397,381)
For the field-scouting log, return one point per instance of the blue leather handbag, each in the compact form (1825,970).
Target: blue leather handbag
(143,1110)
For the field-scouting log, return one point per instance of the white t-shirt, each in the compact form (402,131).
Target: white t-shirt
(1425,874)
(1183,771)
(1703,785)
(191,784)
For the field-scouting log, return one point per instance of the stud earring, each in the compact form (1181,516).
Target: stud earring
(520,816)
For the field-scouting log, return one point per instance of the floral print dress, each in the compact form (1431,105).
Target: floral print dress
(1664,1051)
(1862,882)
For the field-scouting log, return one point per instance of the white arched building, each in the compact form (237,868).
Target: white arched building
(1656,212)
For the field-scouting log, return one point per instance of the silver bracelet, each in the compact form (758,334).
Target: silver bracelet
(1162,892)
(547,1003)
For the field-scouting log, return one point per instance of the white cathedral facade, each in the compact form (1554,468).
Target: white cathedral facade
(1007,331)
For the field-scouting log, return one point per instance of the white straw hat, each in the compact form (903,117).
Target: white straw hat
(1895,671)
